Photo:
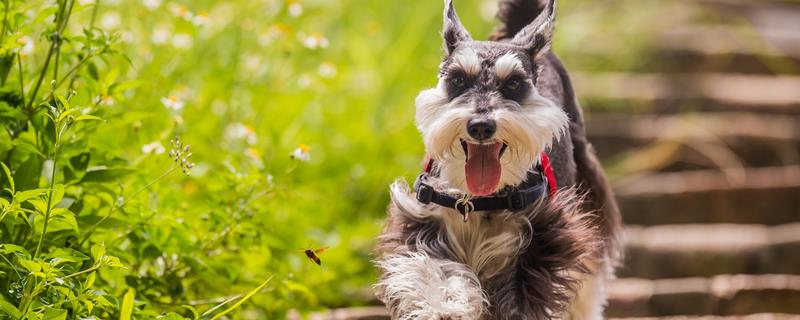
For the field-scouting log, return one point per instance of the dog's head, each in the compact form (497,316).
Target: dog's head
(485,123)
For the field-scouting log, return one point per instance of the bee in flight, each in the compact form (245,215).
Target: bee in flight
(312,254)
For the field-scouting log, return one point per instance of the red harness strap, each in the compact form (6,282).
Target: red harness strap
(548,172)
(546,167)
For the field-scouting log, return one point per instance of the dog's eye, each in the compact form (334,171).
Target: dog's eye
(513,84)
(458,82)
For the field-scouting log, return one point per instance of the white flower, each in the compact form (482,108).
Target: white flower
(302,153)
(154,147)
(239,130)
(104,100)
(327,70)
(295,9)
(182,41)
(200,19)
(161,34)
(304,81)
(315,41)
(275,31)
(252,62)
(254,156)
(110,20)
(126,36)
(151,4)
(27,45)
(173,102)
(180,11)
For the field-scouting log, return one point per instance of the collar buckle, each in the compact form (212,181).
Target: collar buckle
(465,206)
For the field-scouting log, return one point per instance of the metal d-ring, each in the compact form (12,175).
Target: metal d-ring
(466,202)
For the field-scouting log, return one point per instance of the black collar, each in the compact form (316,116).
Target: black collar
(516,198)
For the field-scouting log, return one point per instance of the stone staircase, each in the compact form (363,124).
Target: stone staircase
(703,147)
(704,151)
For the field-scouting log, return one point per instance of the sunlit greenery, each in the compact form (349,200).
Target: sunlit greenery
(291,119)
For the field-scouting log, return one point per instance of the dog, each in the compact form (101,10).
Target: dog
(513,217)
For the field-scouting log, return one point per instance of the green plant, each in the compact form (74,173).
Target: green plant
(103,215)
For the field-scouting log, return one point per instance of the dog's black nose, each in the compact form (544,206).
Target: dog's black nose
(481,129)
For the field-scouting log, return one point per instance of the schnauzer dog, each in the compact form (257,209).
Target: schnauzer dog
(512,217)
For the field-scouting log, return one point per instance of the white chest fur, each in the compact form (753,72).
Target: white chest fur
(487,242)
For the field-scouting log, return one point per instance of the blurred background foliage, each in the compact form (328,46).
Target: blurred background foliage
(297,115)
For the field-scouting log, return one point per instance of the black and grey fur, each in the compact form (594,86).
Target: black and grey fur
(551,260)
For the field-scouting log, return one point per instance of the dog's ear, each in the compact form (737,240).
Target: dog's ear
(536,36)
(453,31)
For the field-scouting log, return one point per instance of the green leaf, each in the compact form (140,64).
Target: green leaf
(5,139)
(80,162)
(30,265)
(105,175)
(111,76)
(123,86)
(6,63)
(7,248)
(86,117)
(9,309)
(54,314)
(112,262)
(23,196)
(9,177)
(98,251)
(67,112)
(27,174)
(93,70)
(90,280)
(126,309)
(242,300)
(62,219)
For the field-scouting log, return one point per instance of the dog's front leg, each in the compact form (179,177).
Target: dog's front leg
(417,286)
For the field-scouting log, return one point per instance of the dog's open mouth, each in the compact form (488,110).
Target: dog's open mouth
(483,168)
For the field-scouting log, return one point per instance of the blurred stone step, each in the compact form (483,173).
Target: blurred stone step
(724,295)
(757,139)
(757,316)
(688,59)
(757,196)
(677,251)
(729,49)
(733,36)
(671,93)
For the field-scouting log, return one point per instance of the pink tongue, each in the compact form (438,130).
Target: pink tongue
(483,168)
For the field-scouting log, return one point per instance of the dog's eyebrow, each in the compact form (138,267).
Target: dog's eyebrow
(507,65)
(469,61)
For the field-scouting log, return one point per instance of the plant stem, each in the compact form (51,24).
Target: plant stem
(49,196)
(73,69)
(3,32)
(21,83)
(94,13)
(92,268)
(11,264)
(122,204)
(62,17)
(41,78)
(5,20)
